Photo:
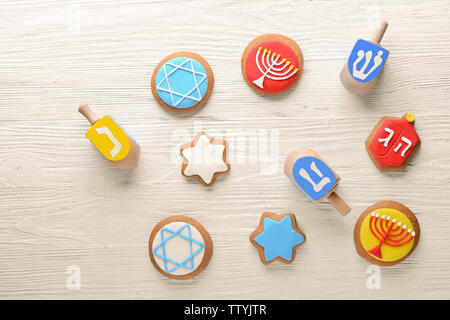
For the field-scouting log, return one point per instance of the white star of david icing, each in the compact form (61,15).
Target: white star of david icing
(190,68)
(204,159)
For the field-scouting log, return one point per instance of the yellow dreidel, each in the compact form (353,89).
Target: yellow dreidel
(111,140)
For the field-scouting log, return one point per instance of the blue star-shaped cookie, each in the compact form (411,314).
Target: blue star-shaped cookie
(277,237)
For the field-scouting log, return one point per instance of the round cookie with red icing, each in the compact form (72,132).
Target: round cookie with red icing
(272,64)
(386,233)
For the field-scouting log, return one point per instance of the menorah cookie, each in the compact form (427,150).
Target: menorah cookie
(271,64)
(365,63)
(314,178)
(386,233)
(111,140)
(182,82)
(277,237)
(204,158)
(180,247)
(393,143)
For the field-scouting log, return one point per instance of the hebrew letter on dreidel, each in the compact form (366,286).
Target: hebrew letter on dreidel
(117,144)
(322,183)
(408,146)
(388,139)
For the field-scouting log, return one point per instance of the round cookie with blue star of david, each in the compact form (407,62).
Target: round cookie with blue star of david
(277,237)
(182,82)
(180,247)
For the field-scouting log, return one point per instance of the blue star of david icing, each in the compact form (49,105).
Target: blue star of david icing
(187,263)
(182,82)
(314,177)
(279,239)
(366,60)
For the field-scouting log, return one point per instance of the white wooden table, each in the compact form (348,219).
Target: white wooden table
(62,204)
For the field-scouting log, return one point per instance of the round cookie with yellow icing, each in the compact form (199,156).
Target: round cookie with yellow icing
(386,233)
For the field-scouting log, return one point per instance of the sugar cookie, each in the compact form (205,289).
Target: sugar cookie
(204,158)
(386,233)
(393,143)
(271,64)
(182,82)
(277,237)
(180,247)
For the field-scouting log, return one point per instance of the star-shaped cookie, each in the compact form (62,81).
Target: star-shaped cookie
(204,158)
(277,237)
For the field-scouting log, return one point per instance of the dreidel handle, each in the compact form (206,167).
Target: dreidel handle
(338,203)
(379,32)
(88,113)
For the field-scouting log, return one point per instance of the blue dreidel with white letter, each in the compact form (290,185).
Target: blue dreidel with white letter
(365,63)
(309,172)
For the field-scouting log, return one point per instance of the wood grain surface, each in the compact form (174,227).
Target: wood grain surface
(62,204)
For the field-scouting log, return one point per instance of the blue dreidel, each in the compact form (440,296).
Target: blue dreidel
(309,173)
(365,63)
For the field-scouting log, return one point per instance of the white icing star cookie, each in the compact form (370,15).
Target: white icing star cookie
(205,158)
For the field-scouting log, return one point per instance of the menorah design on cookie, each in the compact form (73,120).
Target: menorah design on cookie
(272,66)
(377,60)
(388,233)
